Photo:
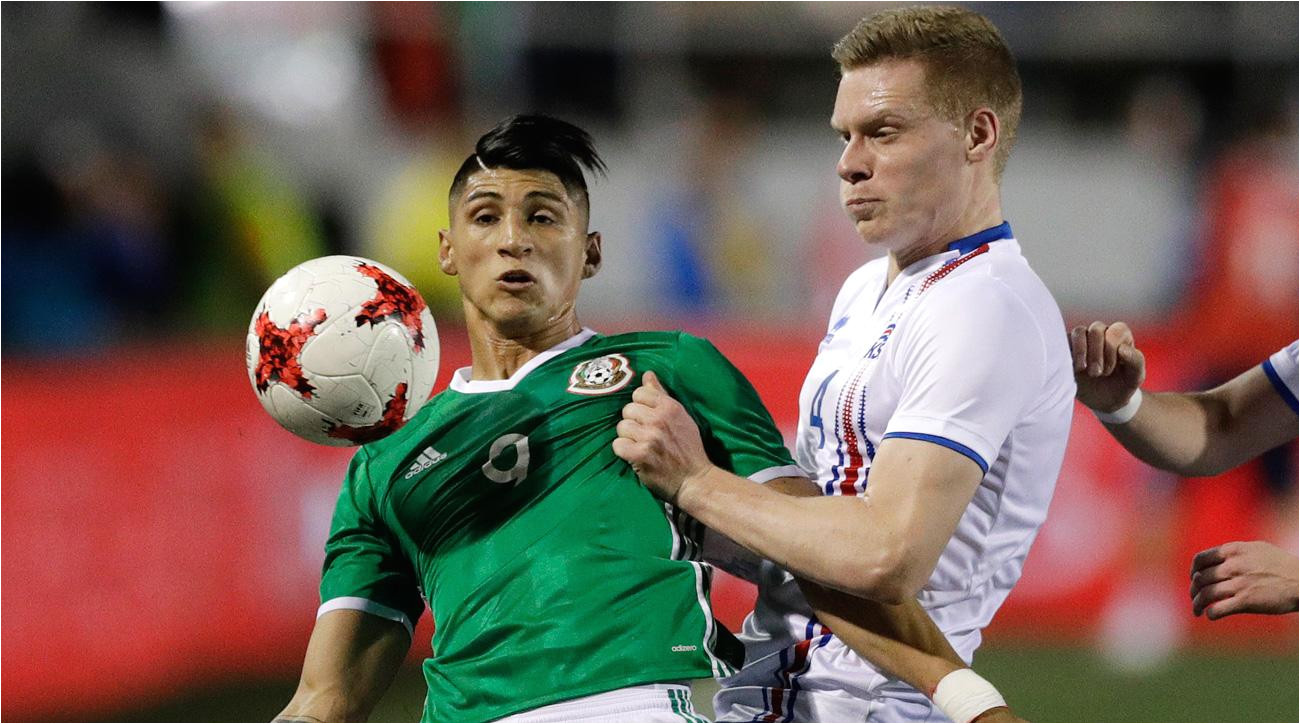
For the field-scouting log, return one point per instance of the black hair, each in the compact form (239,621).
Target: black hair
(534,142)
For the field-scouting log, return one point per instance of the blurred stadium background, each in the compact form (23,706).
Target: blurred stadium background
(162,163)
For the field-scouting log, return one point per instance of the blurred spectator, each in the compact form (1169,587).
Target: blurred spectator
(403,224)
(86,253)
(250,225)
(1241,304)
(415,58)
(707,231)
(50,304)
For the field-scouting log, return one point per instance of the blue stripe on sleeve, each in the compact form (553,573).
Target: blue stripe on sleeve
(950,444)
(1279,385)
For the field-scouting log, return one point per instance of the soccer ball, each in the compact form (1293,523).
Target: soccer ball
(342,351)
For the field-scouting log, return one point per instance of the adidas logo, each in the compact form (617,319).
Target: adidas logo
(427,459)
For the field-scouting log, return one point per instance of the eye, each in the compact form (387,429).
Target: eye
(484,218)
(542,218)
(884,133)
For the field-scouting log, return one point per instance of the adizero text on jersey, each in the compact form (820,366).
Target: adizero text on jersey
(965,349)
(551,571)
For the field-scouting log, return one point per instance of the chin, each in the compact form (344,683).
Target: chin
(512,314)
(874,233)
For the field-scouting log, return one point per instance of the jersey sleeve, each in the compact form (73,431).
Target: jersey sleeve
(1283,370)
(969,370)
(364,568)
(739,434)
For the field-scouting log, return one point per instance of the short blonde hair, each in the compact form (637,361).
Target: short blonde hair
(968,65)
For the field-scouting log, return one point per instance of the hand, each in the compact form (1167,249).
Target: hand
(998,713)
(1252,577)
(1108,367)
(660,439)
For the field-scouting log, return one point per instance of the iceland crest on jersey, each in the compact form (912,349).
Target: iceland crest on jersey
(601,376)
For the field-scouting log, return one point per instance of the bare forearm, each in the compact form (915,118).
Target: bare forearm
(351,660)
(1174,431)
(900,640)
(308,706)
(1206,433)
(792,532)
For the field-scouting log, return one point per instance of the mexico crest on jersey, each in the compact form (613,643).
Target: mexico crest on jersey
(600,376)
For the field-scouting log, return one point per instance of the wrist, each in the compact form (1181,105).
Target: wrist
(692,488)
(964,695)
(1124,413)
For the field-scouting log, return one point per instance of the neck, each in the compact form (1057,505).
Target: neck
(499,352)
(984,212)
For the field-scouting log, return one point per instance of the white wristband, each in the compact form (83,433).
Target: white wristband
(1123,414)
(963,695)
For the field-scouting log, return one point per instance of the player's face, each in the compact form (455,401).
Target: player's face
(519,244)
(903,174)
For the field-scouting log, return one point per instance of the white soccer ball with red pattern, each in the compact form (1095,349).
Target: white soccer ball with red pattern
(342,351)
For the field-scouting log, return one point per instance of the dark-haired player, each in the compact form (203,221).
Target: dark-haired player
(562,589)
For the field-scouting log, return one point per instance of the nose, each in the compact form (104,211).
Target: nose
(855,162)
(515,242)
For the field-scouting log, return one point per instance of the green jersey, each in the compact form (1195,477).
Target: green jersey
(551,571)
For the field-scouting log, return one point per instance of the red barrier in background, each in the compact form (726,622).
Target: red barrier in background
(160,532)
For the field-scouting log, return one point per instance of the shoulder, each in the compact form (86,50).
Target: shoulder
(1288,356)
(670,342)
(996,285)
(983,309)
(1283,369)
(643,350)
(632,341)
(383,456)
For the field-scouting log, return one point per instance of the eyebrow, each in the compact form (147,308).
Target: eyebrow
(888,114)
(547,195)
(489,194)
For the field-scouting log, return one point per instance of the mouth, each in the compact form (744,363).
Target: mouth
(861,207)
(515,280)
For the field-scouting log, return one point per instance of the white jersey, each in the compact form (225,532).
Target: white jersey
(1283,370)
(965,349)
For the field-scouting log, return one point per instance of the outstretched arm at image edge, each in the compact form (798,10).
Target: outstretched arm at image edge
(1207,433)
(1189,433)
(351,660)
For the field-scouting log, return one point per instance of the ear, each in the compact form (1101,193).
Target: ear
(446,254)
(983,131)
(591,264)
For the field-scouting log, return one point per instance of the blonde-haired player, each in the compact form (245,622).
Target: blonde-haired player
(936,413)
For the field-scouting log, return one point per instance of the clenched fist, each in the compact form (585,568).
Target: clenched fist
(1108,367)
(660,439)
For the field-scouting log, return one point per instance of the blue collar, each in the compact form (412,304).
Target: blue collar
(972,242)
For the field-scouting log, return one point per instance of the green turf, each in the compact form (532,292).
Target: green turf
(1072,685)
(1042,684)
